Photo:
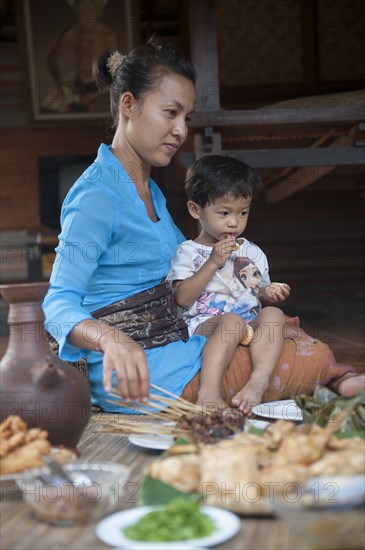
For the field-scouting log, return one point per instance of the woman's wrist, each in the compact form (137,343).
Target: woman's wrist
(101,340)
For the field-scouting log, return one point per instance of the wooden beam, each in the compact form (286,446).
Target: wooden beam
(289,170)
(272,116)
(298,180)
(303,177)
(281,158)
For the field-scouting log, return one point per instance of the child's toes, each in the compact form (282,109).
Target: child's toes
(236,401)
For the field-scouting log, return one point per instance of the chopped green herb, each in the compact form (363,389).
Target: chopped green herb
(180,519)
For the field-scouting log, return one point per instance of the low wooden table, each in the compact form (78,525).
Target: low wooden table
(20,530)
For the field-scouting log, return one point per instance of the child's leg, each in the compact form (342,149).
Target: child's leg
(265,350)
(224,333)
(348,384)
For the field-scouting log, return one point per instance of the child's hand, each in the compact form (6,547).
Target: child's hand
(276,292)
(222,251)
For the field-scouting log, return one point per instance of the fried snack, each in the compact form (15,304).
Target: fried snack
(24,457)
(347,461)
(336,444)
(247,335)
(21,448)
(273,288)
(275,433)
(228,471)
(16,440)
(236,472)
(35,433)
(11,425)
(240,439)
(181,472)
(235,246)
(281,475)
(4,447)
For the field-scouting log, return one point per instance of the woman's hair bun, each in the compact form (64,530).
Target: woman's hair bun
(114,61)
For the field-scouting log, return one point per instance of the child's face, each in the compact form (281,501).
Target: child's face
(226,217)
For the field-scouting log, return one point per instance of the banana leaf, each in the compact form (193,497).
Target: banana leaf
(324,405)
(154,491)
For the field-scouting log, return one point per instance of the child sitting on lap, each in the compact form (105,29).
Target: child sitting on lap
(222,283)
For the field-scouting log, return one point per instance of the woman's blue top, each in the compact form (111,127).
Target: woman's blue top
(109,249)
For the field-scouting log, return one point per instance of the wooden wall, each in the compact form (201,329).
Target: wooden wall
(20,149)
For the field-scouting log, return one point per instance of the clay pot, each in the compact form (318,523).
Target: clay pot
(34,383)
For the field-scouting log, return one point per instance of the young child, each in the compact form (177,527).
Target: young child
(221,282)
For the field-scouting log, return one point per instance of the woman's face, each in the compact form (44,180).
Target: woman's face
(157,126)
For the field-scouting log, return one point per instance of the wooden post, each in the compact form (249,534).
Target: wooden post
(204,54)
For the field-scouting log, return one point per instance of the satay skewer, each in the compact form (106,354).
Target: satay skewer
(177,403)
(176,397)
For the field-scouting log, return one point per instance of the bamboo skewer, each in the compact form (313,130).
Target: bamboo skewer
(174,408)
(181,400)
(174,402)
(143,428)
(171,413)
(164,400)
(118,401)
(156,401)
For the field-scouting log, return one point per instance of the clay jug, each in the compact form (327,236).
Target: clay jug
(34,383)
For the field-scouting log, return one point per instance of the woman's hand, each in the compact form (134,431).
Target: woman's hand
(274,293)
(128,360)
(222,251)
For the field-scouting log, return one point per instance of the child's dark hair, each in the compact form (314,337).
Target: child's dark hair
(214,176)
(141,71)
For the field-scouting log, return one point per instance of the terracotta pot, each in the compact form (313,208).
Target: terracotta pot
(34,383)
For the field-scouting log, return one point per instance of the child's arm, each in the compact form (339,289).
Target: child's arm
(274,293)
(188,291)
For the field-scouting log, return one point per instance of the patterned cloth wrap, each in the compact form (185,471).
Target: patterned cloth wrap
(149,317)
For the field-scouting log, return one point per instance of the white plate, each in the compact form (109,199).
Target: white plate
(286,409)
(110,530)
(150,441)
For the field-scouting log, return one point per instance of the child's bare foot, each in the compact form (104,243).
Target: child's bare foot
(212,402)
(349,384)
(250,395)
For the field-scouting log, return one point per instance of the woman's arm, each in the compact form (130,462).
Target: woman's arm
(121,354)
(88,223)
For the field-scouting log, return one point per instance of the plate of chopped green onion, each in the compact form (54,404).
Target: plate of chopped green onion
(179,524)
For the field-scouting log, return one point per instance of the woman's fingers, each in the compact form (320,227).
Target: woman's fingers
(107,376)
(133,381)
(130,365)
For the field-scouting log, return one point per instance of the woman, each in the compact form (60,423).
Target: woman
(117,237)
(106,300)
